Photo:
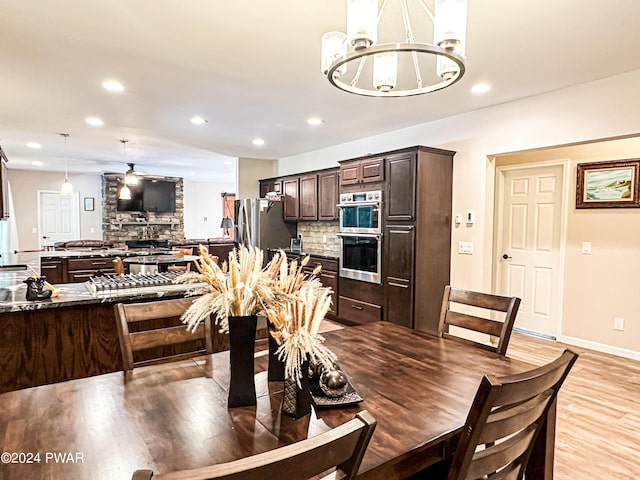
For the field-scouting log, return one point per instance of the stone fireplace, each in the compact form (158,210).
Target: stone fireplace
(118,226)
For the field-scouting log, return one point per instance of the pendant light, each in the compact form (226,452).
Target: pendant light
(66,188)
(125,192)
(130,178)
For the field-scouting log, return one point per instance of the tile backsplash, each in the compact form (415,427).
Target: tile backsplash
(320,237)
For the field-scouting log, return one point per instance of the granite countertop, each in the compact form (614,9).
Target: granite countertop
(103,253)
(13,297)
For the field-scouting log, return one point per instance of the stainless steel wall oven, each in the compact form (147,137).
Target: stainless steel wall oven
(361,236)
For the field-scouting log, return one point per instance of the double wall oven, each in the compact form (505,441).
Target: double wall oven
(361,236)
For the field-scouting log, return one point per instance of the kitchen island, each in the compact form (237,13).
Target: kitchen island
(73,335)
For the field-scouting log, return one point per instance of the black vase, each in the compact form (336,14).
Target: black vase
(296,401)
(242,338)
(276,366)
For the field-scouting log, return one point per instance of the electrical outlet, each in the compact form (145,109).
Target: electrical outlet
(618,323)
(34,230)
(324,239)
(466,248)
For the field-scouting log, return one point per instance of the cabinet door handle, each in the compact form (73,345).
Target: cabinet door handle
(393,284)
(98,263)
(357,307)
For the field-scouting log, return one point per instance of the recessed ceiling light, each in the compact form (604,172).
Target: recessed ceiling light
(258,141)
(192,174)
(113,86)
(94,121)
(37,163)
(315,121)
(481,88)
(228,162)
(35,145)
(198,120)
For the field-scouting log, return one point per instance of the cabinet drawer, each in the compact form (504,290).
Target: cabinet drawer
(326,264)
(357,311)
(90,263)
(79,276)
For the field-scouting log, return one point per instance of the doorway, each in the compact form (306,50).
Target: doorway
(58,218)
(529,206)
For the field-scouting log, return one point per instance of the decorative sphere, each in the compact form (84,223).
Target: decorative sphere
(333,383)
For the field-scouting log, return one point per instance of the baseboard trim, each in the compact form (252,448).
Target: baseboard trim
(601,347)
(531,333)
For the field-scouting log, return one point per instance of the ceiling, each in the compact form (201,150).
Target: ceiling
(251,69)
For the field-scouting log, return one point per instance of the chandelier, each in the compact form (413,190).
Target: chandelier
(408,62)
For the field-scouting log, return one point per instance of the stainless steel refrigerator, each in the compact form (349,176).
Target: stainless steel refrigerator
(260,223)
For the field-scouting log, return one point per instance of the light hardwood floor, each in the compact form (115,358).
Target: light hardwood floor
(598,423)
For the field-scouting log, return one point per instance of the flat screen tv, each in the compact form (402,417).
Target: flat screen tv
(158,196)
(150,196)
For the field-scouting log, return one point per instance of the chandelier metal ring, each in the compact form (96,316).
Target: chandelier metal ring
(422,48)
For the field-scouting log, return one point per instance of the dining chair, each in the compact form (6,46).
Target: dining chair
(483,319)
(181,268)
(152,333)
(507,415)
(340,448)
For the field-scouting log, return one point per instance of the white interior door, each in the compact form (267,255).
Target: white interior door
(530,211)
(59,217)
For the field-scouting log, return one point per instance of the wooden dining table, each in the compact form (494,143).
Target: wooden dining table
(174,416)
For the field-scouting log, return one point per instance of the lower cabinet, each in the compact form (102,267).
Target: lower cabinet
(398,274)
(53,270)
(358,312)
(360,302)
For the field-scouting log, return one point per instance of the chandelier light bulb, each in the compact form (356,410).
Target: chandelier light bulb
(334,46)
(385,71)
(362,23)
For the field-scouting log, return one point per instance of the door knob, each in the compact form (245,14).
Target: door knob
(506,257)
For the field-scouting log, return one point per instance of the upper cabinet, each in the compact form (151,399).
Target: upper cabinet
(400,201)
(354,172)
(270,185)
(307,197)
(291,198)
(328,195)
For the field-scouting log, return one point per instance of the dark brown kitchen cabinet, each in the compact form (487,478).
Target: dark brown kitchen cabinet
(308,197)
(399,273)
(400,199)
(328,195)
(270,185)
(53,270)
(291,192)
(353,172)
(417,262)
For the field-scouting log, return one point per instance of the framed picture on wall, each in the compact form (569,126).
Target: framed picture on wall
(88,204)
(608,184)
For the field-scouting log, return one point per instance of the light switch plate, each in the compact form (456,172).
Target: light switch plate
(586,248)
(466,248)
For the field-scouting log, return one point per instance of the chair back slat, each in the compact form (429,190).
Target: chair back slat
(506,416)
(472,322)
(486,307)
(341,448)
(162,338)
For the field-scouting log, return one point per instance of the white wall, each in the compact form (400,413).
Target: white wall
(601,109)
(203,208)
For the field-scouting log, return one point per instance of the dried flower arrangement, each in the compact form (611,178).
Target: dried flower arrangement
(294,302)
(237,288)
(298,307)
